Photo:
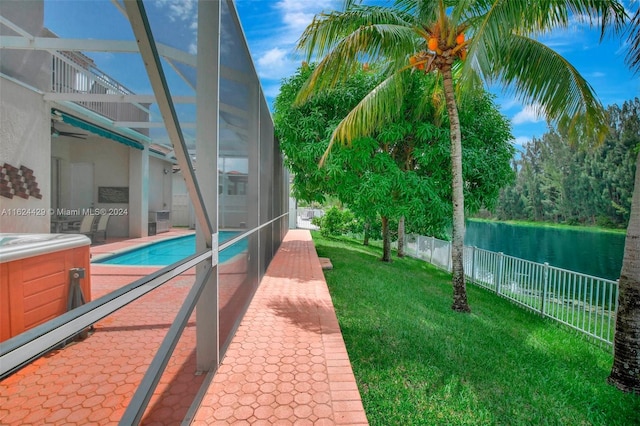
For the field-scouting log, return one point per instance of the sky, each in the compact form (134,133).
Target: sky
(272,28)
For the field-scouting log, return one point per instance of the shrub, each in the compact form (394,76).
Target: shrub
(337,222)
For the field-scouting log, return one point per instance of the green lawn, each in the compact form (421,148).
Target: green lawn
(419,363)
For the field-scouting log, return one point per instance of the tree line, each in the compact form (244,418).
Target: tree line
(557,181)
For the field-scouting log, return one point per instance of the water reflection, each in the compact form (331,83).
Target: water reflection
(593,253)
(237,282)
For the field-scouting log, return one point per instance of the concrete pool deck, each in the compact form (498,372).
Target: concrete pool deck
(286,364)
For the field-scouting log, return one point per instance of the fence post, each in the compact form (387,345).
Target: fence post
(545,286)
(432,248)
(449,257)
(500,268)
(473,263)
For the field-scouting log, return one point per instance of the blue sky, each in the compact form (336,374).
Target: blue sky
(272,28)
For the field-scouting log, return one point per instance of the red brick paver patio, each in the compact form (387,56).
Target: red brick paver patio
(287,363)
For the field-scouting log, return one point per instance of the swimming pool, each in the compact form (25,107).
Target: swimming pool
(170,251)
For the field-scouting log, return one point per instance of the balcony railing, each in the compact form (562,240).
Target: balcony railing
(75,73)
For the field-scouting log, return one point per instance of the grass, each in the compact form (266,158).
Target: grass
(419,363)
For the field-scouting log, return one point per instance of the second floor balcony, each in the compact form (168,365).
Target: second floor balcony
(75,75)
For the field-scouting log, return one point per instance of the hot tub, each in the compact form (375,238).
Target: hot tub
(35,278)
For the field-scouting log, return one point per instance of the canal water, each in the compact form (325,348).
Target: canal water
(592,253)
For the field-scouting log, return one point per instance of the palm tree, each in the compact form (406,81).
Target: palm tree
(488,40)
(633,33)
(625,372)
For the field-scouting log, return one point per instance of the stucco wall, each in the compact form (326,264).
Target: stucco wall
(110,168)
(159,184)
(24,141)
(182,213)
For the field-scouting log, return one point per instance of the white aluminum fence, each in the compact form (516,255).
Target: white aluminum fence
(583,302)
(304,216)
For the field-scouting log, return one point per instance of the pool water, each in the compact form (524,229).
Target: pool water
(170,251)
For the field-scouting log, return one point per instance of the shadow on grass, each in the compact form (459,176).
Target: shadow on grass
(418,362)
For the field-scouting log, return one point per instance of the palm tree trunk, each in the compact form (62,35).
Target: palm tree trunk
(386,243)
(401,236)
(625,373)
(460,302)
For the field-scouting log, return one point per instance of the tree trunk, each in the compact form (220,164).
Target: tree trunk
(401,237)
(386,242)
(367,227)
(460,302)
(625,373)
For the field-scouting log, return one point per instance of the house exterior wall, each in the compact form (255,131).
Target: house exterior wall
(24,141)
(159,184)
(182,213)
(110,168)
(25,136)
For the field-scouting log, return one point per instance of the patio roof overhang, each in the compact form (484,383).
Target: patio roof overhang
(97,130)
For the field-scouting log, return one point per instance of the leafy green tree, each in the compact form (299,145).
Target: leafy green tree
(429,36)
(402,171)
(364,178)
(556,171)
(532,171)
(335,222)
(303,131)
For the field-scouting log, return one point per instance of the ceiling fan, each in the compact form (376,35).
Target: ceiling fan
(55,132)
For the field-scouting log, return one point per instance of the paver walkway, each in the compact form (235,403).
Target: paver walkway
(287,363)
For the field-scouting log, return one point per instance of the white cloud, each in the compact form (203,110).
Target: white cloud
(186,13)
(271,57)
(273,33)
(296,22)
(507,104)
(183,10)
(585,20)
(296,15)
(274,63)
(529,114)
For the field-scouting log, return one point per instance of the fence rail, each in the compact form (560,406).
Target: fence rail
(583,302)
